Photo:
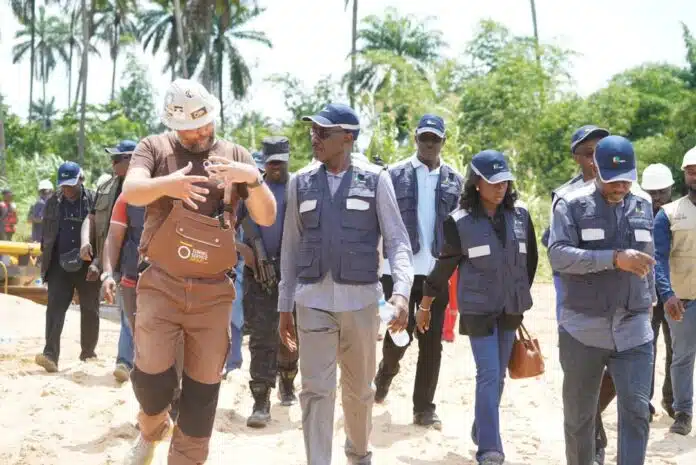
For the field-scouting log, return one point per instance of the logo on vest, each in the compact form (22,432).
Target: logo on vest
(189,253)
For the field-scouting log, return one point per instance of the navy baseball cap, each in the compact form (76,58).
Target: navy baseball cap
(615,160)
(431,123)
(491,166)
(68,174)
(586,132)
(125,147)
(276,148)
(336,115)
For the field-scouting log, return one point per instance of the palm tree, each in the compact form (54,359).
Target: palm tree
(116,26)
(228,29)
(158,27)
(25,11)
(180,35)
(45,112)
(394,40)
(353,52)
(536,31)
(49,48)
(84,68)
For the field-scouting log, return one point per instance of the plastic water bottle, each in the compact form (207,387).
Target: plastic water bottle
(387,312)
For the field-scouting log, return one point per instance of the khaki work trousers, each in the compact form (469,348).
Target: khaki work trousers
(328,338)
(168,308)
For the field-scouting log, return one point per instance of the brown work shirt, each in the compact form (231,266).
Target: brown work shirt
(152,154)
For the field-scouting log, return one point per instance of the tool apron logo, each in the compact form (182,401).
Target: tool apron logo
(188,252)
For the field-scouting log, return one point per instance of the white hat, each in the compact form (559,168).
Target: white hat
(689,158)
(656,177)
(188,105)
(45,185)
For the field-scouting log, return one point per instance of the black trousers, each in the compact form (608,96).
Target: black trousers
(61,288)
(268,355)
(660,321)
(429,345)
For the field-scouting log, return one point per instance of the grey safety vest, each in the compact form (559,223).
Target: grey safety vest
(604,292)
(493,275)
(130,256)
(447,193)
(340,233)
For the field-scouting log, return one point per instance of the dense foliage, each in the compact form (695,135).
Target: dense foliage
(504,92)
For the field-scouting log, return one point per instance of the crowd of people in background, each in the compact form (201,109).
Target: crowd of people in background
(199,242)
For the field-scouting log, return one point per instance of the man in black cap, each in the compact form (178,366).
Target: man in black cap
(269,358)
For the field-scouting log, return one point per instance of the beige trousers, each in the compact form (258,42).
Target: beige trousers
(328,339)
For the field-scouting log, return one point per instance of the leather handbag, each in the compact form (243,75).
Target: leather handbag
(526,360)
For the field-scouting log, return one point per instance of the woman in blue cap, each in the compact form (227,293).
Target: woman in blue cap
(491,239)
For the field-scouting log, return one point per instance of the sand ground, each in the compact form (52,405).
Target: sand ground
(80,415)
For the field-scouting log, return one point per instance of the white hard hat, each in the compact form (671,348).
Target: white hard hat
(689,158)
(45,185)
(188,105)
(656,177)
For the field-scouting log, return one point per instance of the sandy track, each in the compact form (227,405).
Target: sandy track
(81,416)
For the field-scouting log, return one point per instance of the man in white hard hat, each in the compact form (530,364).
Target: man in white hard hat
(658,182)
(36,212)
(675,252)
(190,183)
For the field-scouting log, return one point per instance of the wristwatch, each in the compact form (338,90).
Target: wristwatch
(104,276)
(423,308)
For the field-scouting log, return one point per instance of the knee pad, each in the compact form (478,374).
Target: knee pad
(197,407)
(154,392)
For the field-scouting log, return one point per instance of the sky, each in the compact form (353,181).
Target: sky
(312,39)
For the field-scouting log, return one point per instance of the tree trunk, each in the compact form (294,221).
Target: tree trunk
(70,57)
(218,58)
(44,78)
(536,31)
(206,75)
(180,37)
(353,52)
(114,56)
(32,58)
(86,16)
(3,169)
(78,89)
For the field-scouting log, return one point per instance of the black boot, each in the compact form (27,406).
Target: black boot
(261,414)
(286,387)
(682,424)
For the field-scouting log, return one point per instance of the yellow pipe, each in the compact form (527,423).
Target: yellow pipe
(20,248)
(7,278)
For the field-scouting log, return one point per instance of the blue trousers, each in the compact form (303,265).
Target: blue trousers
(125,338)
(683,356)
(491,354)
(234,356)
(583,368)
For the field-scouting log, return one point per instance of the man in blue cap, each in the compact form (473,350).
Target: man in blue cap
(96,227)
(582,146)
(601,246)
(63,270)
(337,210)
(427,191)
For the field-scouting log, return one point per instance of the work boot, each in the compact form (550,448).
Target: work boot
(45,361)
(682,424)
(427,419)
(382,383)
(121,373)
(261,413)
(143,451)
(286,388)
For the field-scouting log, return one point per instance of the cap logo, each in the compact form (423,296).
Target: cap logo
(202,111)
(618,160)
(497,166)
(431,122)
(188,93)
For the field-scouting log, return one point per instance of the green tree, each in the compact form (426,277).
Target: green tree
(135,97)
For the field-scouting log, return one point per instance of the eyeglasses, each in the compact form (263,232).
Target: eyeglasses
(120,158)
(325,133)
(429,137)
